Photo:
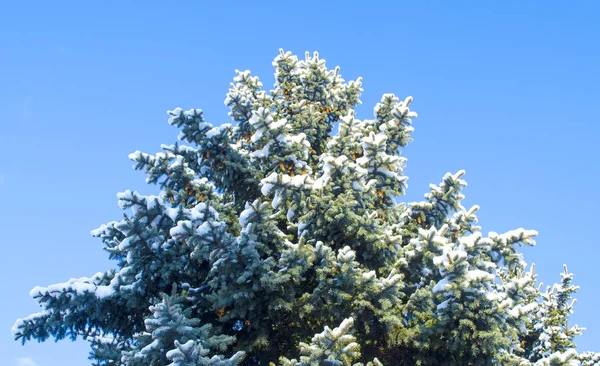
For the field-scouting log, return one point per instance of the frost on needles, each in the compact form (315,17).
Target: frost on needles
(273,241)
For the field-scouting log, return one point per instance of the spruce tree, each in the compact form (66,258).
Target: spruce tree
(273,240)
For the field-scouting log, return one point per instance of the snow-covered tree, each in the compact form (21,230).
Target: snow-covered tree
(269,232)
(331,347)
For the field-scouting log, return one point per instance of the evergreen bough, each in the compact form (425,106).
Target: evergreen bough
(267,233)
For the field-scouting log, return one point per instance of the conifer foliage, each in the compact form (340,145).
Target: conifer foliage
(274,241)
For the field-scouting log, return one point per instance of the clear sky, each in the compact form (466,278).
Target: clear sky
(507,90)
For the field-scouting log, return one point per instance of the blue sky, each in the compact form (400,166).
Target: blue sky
(506,90)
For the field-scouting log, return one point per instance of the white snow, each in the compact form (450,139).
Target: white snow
(78,285)
(479,275)
(444,304)
(172,213)
(298,180)
(126,243)
(248,210)
(301,227)
(278,124)
(268,183)
(102,229)
(374,139)
(266,188)
(520,310)
(368,276)
(123,197)
(442,285)
(257,135)
(213,132)
(290,214)
(153,201)
(204,229)
(321,182)
(182,229)
(262,153)
(277,199)
(104,291)
(568,358)
(21,322)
